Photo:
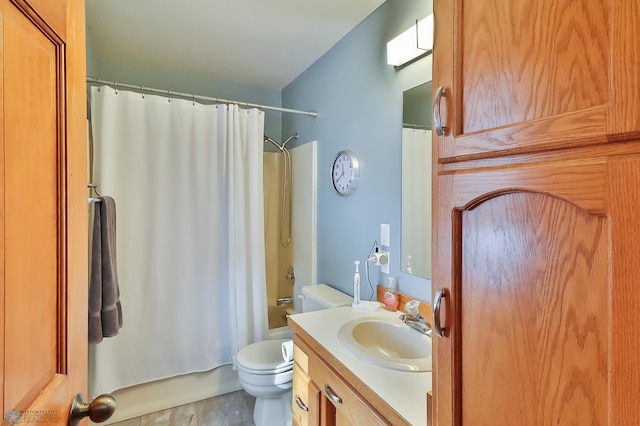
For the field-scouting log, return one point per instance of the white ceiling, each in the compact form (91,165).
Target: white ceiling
(266,43)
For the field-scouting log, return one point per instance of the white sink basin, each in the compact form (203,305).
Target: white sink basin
(389,344)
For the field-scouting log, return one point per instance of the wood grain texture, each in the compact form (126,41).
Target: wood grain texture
(581,182)
(525,77)
(624,115)
(3,284)
(44,210)
(589,153)
(535,213)
(538,289)
(623,201)
(32,233)
(54,13)
(571,234)
(524,61)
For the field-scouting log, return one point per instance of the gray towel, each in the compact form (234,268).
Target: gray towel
(105,310)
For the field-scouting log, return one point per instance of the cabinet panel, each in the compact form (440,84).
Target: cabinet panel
(540,266)
(545,328)
(522,76)
(352,409)
(520,56)
(306,399)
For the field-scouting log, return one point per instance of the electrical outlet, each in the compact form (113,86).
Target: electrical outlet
(384,268)
(382,260)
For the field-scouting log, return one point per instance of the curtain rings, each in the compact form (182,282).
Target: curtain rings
(169,95)
(142,90)
(116,84)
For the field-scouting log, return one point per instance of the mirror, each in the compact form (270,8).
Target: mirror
(416,181)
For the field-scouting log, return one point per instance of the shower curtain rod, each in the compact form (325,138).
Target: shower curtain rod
(193,96)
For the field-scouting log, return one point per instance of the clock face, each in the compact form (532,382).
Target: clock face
(345,173)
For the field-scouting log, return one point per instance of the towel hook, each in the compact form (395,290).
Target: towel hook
(94,188)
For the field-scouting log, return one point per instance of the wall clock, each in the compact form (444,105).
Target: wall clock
(345,173)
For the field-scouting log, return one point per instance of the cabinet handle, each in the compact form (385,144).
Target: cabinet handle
(437,323)
(301,404)
(437,118)
(335,398)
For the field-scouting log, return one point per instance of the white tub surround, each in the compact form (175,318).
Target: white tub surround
(403,392)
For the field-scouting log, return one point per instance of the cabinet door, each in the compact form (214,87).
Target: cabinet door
(306,399)
(341,405)
(525,75)
(540,272)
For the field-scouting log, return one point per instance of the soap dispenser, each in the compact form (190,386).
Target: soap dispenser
(391,296)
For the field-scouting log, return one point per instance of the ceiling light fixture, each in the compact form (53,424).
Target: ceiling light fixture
(412,45)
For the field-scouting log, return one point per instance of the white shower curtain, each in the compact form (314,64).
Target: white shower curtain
(187,180)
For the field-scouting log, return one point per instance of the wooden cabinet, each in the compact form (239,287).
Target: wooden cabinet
(328,396)
(536,211)
(522,76)
(305,394)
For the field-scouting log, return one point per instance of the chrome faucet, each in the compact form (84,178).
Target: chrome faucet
(284,300)
(414,319)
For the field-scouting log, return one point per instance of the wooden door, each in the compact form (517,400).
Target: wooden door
(521,76)
(43,209)
(539,264)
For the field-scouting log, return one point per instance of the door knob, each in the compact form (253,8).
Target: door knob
(98,410)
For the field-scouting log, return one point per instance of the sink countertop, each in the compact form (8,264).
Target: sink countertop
(405,392)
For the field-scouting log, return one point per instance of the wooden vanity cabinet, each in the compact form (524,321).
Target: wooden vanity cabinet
(332,399)
(536,232)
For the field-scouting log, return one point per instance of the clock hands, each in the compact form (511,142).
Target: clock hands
(341,169)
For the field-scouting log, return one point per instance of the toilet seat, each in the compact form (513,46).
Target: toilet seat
(265,372)
(263,357)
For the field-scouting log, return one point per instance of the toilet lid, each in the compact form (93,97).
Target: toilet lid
(265,355)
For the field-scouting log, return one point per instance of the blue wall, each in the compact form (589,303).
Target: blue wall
(359,101)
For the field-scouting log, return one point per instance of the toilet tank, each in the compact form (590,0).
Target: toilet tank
(321,296)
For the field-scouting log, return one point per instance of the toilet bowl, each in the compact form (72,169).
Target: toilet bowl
(263,372)
(266,376)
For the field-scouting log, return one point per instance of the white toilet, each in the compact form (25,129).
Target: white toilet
(265,375)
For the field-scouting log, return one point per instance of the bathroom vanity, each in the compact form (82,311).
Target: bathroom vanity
(331,386)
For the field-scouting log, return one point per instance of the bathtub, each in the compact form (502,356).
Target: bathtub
(278,328)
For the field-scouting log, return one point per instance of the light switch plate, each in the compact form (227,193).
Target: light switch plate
(385,234)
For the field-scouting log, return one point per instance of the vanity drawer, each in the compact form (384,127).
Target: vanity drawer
(300,356)
(350,408)
(305,399)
